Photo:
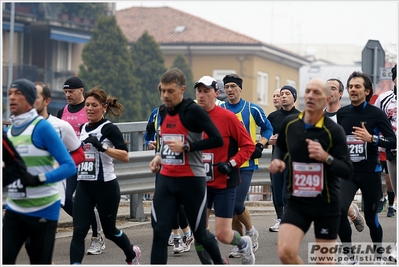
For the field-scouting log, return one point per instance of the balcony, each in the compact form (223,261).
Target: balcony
(53,77)
(80,14)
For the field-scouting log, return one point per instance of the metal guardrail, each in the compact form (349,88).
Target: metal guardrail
(135,178)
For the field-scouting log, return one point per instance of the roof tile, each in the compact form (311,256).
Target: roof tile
(161,22)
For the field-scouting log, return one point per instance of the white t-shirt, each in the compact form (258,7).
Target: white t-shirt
(70,140)
(387,102)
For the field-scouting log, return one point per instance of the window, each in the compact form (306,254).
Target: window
(263,88)
(278,86)
(219,74)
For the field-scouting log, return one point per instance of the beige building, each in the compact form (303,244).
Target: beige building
(215,51)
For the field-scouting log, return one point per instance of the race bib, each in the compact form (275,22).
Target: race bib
(357,148)
(307,179)
(87,169)
(16,190)
(169,157)
(207,158)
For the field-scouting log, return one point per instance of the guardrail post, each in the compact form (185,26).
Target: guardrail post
(136,207)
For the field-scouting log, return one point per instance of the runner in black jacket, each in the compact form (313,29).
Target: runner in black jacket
(363,124)
(276,118)
(313,149)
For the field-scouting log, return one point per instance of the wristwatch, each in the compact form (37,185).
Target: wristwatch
(233,163)
(329,159)
(42,177)
(374,139)
(105,147)
(186,147)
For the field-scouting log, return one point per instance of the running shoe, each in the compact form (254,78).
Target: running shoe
(234,253)
(391,212)
(254,234)
(97,246)
(248,257)
(352,260)
(275,227)
(135,261)
(177,245)
(379,262)
(358,220)
(381,205)
(187,241)
(394,253)
(170,241)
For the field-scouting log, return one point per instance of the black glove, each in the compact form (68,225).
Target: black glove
(150,129)
(94,141)
(13,169)
(31,180)
(258,151)
(223,167)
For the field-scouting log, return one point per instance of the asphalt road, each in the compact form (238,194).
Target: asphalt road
(141,234)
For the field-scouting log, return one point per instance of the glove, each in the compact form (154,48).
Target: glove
(258,151)
(30,180)
(13,169)
(223,167)
(94,141)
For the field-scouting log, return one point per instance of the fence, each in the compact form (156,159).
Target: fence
(136,179)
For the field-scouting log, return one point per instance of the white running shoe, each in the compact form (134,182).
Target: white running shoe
(354,260)
(248,256)
(275,227)
(254,234)
(97,246)
(379,262)
(234,253)
(394,253)
(135,261)
(178,245)
(187,241)
(170,241)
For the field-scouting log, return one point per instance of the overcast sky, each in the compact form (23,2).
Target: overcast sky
(298,22)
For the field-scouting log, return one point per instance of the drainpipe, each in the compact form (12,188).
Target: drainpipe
(241,59)
(190,59)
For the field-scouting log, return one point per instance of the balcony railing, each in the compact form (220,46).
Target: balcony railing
(62,12)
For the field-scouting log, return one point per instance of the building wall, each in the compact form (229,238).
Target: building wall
(247,67)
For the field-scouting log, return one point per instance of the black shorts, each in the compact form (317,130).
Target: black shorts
(302,212)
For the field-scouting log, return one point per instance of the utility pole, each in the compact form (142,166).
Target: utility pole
(10,56)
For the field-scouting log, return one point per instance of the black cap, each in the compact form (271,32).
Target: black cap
(27,88)
(233,78)
(291,89)
(73,82)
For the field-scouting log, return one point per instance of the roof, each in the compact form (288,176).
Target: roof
(170,26)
